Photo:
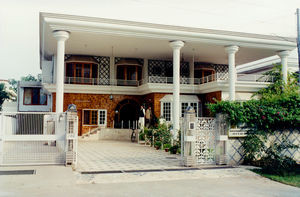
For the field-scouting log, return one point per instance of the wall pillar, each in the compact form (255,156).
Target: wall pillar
(231,50)
(61,37)
(176,46)
(284,63)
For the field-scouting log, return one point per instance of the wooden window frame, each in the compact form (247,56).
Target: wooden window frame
(91,117)
(82,66)
(46,103)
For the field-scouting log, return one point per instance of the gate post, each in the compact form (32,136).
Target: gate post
(222,128)
(71,136)
(188,137)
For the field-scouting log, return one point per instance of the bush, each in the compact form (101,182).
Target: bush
(173,149)
(277,108)
(157,144)
(275,162)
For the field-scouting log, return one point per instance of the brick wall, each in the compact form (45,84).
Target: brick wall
(95,101)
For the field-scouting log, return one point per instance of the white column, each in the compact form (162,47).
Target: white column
(176,46)
(231,50)
(61,37)
(284,63)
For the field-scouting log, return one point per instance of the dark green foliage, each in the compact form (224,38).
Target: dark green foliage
(274,162)
(3,95)
(277,108)
(173,149)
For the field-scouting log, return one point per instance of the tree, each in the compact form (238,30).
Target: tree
(14,83)
(3,95)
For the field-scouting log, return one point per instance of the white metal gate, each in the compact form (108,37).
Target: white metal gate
(28,138)
(205,140)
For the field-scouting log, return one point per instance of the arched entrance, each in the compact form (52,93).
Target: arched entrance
(126,114)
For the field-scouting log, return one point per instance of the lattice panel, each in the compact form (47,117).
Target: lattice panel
(156,68)
(235,150)
(104,69)
(184,69)
(205,145)
(164,68)
(206,123)
(219,68)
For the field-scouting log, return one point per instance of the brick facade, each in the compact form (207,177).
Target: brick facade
(102,101)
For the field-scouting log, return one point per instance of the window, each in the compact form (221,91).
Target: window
(94,117)
(81,73)
(34,96)
(167,111)
(102,117)
(183,108)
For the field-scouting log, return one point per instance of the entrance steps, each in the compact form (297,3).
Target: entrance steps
(108,134)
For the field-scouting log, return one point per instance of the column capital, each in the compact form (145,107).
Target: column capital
(61,35)
(231,49)
(176,44)
(282,54)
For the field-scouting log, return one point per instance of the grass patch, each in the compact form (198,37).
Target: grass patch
(289,178)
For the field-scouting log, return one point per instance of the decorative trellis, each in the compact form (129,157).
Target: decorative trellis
(205,143)
(104,69)
(164,68)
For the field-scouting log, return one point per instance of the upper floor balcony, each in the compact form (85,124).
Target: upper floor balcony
(210,83)
(217,77)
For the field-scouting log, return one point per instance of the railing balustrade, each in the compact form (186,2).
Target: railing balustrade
(164,80)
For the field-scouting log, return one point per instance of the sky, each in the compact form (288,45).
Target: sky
(19,21)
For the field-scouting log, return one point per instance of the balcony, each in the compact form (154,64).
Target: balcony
(151,84)
(217,77)
(211,78)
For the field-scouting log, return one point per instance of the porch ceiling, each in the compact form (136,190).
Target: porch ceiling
(154,45)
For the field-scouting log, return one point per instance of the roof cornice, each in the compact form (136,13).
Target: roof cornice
(164,32)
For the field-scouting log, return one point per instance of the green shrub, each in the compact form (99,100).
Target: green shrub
(275,162)
(277,108)
(173,149)
(157,144)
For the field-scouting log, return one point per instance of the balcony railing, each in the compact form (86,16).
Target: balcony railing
(211,78)
(97,81)
(162,80)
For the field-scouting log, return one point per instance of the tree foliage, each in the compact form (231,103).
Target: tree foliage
(14,83)
(3,95)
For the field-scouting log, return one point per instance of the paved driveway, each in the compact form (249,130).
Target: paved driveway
(118,155)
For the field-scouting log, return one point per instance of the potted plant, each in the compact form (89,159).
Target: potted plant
(157,145)
(167,147)
(173,149)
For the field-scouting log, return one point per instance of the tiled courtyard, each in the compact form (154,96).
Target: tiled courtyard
(118,155)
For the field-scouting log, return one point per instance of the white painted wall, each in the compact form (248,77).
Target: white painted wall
(239,96)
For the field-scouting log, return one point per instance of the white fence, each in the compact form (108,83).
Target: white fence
(33,138)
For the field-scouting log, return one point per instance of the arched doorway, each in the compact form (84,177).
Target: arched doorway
(126,114)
